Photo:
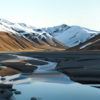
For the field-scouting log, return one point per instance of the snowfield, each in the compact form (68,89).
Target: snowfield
(68,35)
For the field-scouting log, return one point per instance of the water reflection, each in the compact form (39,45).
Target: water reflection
(54,91)
(47,84)
(51,85)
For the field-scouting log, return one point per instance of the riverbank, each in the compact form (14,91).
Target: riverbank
(74,64)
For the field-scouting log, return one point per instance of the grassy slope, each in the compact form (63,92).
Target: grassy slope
(14,43)
(93,47)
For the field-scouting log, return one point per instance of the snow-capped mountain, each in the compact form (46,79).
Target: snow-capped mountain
(22,37)
(92,44)
(71,35)
(68,35)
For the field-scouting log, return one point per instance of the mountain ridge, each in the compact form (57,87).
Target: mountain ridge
(61,36)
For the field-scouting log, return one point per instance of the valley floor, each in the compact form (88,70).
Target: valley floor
(83,67)
(39,70)
(78,65)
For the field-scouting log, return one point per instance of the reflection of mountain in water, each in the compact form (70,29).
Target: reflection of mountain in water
(45,82)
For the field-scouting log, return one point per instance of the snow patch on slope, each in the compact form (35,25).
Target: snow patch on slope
(75,35)
(22,29)
(68,35)
(88,44)
(82,47)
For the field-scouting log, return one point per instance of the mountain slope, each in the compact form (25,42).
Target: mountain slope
(62,36)
(9,42)
(30,33)
(71,35)
(92,44)
(13,43)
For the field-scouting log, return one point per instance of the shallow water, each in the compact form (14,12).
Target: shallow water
(54,91)
(47,84)
(57,87)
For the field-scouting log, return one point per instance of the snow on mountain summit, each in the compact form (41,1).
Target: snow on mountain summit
(75,35)
(71,35)
(68,35)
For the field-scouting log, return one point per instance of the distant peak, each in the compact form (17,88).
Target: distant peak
(22,24)
(5,21)
(64,25)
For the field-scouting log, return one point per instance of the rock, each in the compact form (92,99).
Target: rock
(12,89)
(33,98)
(17,92)
(5,94)
(3,79)
(4,86)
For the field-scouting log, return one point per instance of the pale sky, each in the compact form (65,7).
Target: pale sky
(44,13)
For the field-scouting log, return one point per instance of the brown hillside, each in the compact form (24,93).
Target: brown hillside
(94,45)
(14,43)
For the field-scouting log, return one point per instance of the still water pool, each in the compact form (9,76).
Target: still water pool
(56,87)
